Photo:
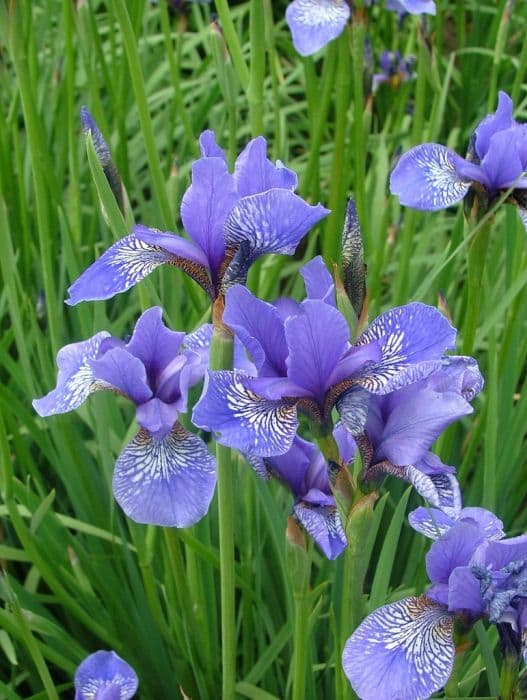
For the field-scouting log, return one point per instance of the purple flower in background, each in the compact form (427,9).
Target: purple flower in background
(314,23)
(394,69)
(401,427)
(299,370)
(165,475)
(231,218)
(474,574)
(304,471)
(412,7)
(105,676)
(431,176)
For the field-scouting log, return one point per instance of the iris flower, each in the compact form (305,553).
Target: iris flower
(401,427)
(231,218)
(165,475)
(105,676)
(394,69)
(305,362)
(304,471)
(314,23)
(431,176)
(474,574)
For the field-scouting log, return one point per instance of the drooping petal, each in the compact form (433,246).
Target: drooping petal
(169,482)
(105,671)
(205,206)
(413,339)
(323,523)
(271,222)
(317,280)
(430,522)
(492,123)
(353,409)
(258,325)
(418,7)
(254,172)
(243,419)
(153,343)
(314,23)
(316,340)
(124,264)
(75,380)
(126,373)
(485,520)
(402,651)
(427,177)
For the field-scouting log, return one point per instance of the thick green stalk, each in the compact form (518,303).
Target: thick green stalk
(298,562)
(221,354)
(233,44)
(256,82)
(138,85)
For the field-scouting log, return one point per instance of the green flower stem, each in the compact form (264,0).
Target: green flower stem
(300,644)
(477,253)
(221,355)
(257,70)
(233,44)
(499,48)
(337,202)
(489,660)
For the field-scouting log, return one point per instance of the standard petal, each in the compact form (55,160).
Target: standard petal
(323,523)
(413,339)
(126,373)
(488,523)
(242,419)
(427,178)
(502,163)
(124,264)
(492,123)
(402,651)
(157,417)
(455,548)
(416,419)
(464,592)
(318,282)
(314,23)
(153,343)
(254,172)
(104,670)
(271,222)
(75,380)
(168,482)
(259,327)
(312,359)
(205,206)
(208,146)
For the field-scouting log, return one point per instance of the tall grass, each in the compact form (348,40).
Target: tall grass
(78,575)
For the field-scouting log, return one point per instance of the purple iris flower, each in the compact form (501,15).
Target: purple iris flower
(105,676)
(231,218)
(314,23)
(165,475)
(401,427)
(394,69)
(305,362)
(431,176)
(304,471)
(474,574)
